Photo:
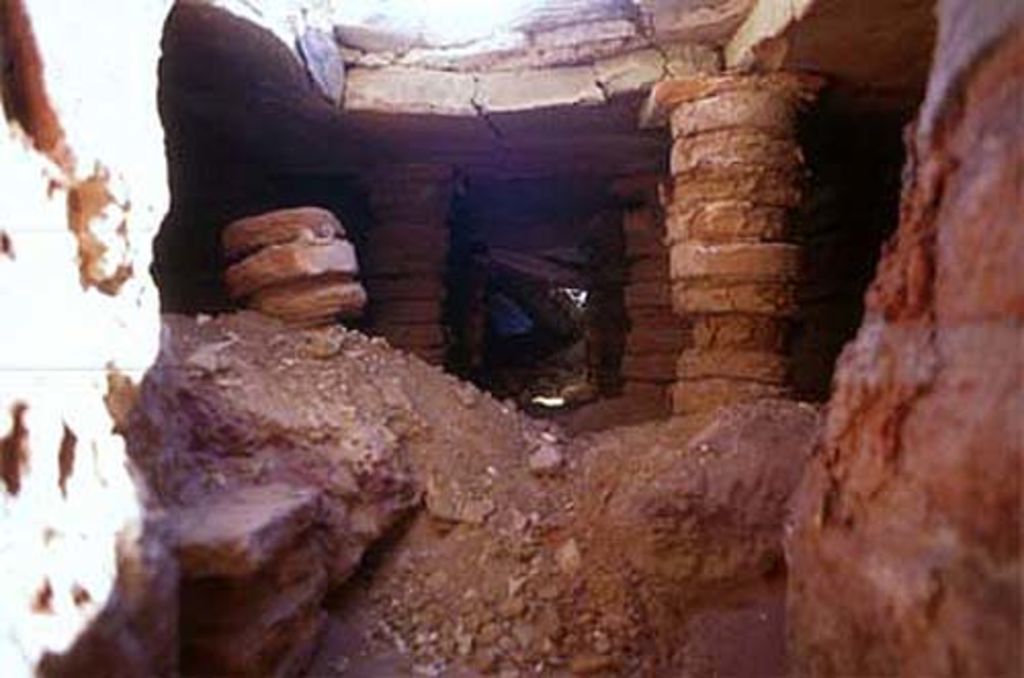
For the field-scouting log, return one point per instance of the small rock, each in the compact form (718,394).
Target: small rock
(512,608)
(207,357)
(324,345)
(546,459)
(568,557)
(468,395)
(602,645)
(490,633)
(463,642)
(548,592)
(476,511)
(515,585)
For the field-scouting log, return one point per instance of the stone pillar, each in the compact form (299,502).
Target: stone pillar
(656,335)
(737,178)
(404,257)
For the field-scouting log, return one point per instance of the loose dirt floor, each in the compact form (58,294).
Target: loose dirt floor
(496,544)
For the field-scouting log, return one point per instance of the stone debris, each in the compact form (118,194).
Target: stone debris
(546,459)
(293,264)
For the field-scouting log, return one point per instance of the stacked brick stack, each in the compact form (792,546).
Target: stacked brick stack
(656,335)
(295,265)
(405,258)
(737,177)
(253,583)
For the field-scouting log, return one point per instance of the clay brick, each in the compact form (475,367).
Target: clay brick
(760,109)
(741,333)
(306,224)
(759,366)
(765,298)
(736,261)
(735,147)
(282,263)
(754,184)
(728,221)
(311,302)
(705,395)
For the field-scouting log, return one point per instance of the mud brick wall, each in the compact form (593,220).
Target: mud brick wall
(405,255)
(656,335)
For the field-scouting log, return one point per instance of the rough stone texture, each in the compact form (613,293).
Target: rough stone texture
(254,580)
(323,62)
(88,585)
(892,42)
(729,221)
(693,396)
(728,298)
(295,265)
(410,90)
(278,264)
(246,235)
(581,567)
(695,531)
(239,401)
(316,301)
(905,548)
(737,173)
(507,92)
(736,261)
(696,20)
(761,366)
(240,533)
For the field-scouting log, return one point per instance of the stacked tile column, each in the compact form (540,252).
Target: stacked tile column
(404,257)
(737,179)
(656,335)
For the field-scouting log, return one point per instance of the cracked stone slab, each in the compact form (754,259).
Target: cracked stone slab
(518,91)
(630,72)
(397,89)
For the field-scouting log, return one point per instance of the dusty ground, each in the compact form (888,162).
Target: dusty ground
(465,538)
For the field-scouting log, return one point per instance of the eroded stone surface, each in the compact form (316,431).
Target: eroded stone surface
(241,531)
(905,550)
